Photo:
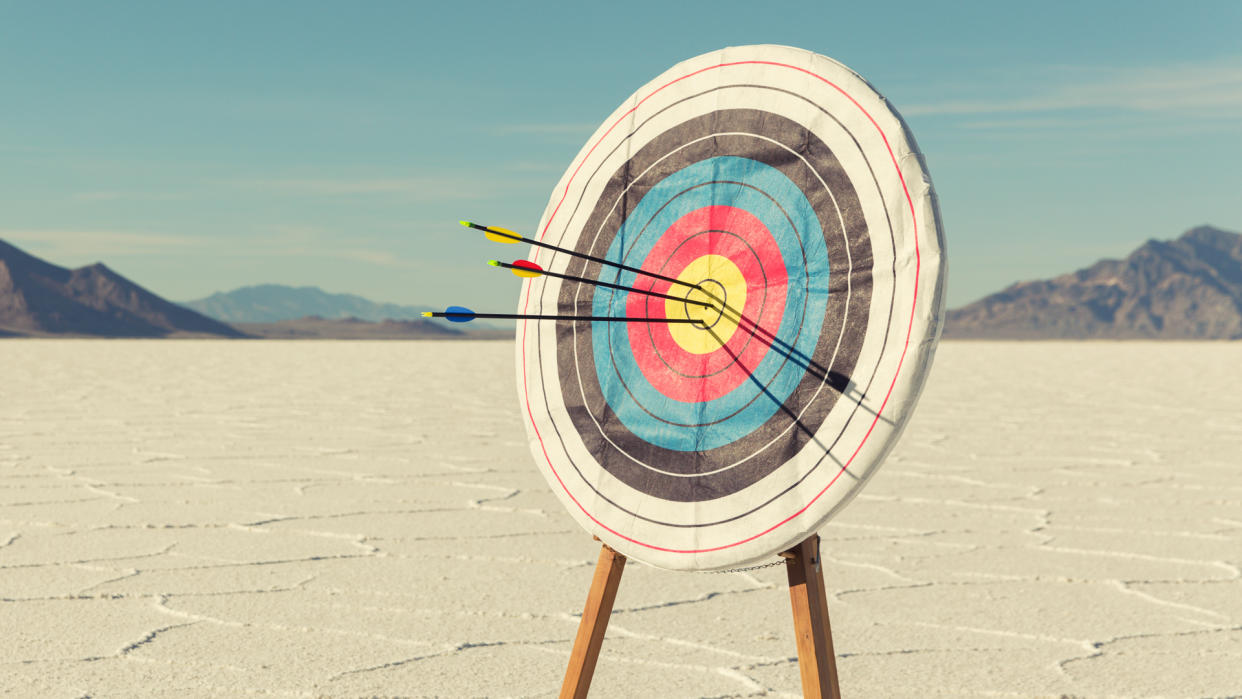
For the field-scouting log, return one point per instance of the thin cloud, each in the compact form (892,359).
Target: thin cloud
(422,188)
(1189,90)
(293,231)
(381,258)
(292,240)
(83,243)
(550,129)
(25,148)
(116,195)
(532,166)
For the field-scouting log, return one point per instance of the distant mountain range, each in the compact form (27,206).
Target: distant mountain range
(316,328)
(271,303)
(1189,288)
(39,298)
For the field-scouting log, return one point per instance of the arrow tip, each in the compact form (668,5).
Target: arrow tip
(465,223)
(428,314)
(494,263)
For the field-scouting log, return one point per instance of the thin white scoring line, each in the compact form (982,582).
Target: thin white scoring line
(849,289)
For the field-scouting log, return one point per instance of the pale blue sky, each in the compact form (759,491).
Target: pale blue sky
(202,146)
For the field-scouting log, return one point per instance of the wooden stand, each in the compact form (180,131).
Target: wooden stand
(816,661)
(594,623)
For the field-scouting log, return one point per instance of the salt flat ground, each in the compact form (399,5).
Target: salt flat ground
(199,518)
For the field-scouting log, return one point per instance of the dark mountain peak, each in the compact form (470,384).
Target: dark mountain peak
(1221,250)
(1212,236)
(101,271)
(40,298)
(9,251)
(21,264)
(1187,288)
(97,268)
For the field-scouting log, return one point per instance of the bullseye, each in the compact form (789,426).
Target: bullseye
(709,291)
(723,283)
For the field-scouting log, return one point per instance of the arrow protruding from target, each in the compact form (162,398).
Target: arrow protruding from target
(833,379)
(504,235)
(461,314)
(526,268)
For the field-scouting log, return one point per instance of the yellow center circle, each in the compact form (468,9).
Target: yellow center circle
(721,279)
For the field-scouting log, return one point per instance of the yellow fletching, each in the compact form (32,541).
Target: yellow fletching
(528,273)
(501,235)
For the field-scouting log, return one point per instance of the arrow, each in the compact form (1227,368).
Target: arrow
(526,268)
(504,235)
(461,314)
(833,379)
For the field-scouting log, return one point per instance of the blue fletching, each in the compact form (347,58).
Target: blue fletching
(459,314)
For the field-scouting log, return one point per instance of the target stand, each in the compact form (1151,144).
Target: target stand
(803,566)
(729,310)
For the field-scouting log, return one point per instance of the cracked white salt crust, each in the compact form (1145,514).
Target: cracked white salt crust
(202,519)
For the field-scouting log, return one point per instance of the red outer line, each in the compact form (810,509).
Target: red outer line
(900,362)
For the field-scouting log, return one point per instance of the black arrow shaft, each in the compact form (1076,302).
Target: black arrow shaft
(582,255)
(524,316)
(610,285)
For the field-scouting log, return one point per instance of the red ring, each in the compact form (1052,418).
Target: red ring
(719,230)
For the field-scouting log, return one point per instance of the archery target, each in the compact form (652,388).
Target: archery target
(773,197)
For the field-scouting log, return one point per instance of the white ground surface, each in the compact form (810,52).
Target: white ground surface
(196,518)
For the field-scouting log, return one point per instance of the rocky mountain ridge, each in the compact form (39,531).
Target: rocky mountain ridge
(1185,289)
(39,298)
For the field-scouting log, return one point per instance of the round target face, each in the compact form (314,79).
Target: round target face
(774,207)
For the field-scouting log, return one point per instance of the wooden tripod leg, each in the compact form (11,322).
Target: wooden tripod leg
(593,625)
(816,661)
